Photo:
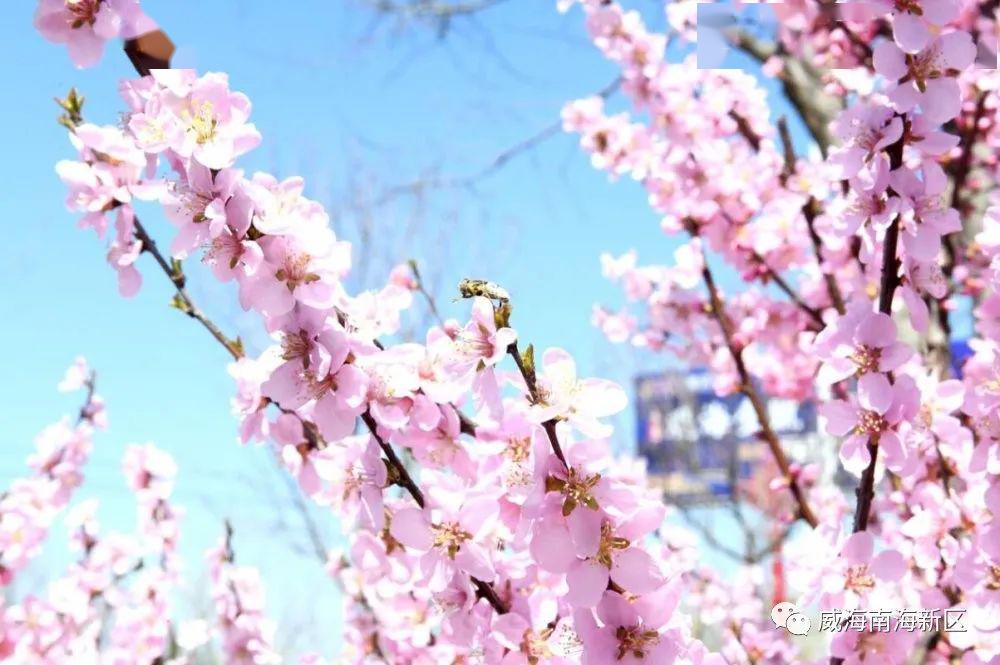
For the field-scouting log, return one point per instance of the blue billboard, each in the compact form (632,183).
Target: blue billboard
(696,443)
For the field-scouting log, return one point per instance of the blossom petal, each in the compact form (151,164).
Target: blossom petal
(890,61)
(854,454)
(875,392)
(910,32)
(858,548)
(841,417)
(893,356)
(636,571)
(552,548)
(473,559)
(585,530)
(942,100)
(889,566)
(409,526)
(587,582)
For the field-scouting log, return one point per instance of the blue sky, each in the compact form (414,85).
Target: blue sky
(340,98)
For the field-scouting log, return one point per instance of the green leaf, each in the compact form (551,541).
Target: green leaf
(178,303)
(528,358)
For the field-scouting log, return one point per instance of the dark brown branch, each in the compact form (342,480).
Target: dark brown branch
(810,211)
(780,282)
(748,388)
(887,289)
(183,301)
(787,149)
(401,474)
(890,280)
(150,51)
(746,131)
(86,408)
(800,82)
(528,374)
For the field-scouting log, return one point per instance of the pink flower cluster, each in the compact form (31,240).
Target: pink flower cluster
(838,238)
(511,534)
(570,532)
(29,506)
(113,603)
(247,636)
(85,25)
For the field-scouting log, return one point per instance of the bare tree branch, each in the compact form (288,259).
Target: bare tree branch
(437,13)
(497,163)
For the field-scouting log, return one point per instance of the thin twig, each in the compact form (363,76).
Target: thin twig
(780,282)
(787,148)
(423,291)
(746,131)
(402,475)
(184,302)
(801,83)
(531,382)
(755,141)
(85,409)
(497,163)
(810,211)
(748,388)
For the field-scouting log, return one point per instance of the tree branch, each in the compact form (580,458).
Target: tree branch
(176,276)
(748,388)
(887,289)
(183,301)
(810,211)
(494,165)
(800,83)
(423,291)
(530,380)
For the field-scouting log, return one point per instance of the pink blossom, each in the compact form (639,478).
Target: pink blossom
(628,632)
(914,23)
(481,339)
(84,25)
(928,75)
(149,470)
(861,343)
(76,376)
(857,571)
(337,391)
(880,406)
(865,131)
(449,537)
(197,206)
(580,401)
(296,269)
(214,120)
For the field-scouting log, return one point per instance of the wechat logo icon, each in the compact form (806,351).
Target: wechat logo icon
(788,616)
